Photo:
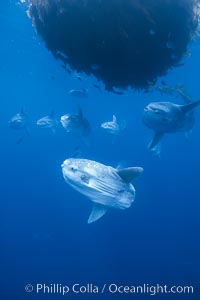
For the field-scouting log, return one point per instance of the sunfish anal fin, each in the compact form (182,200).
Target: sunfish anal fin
(97,212)
(80,113)
(129,174)
(156,140)
(53,130)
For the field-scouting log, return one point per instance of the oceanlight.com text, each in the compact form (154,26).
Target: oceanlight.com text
(111,288)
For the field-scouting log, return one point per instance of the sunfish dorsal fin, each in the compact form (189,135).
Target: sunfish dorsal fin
(114,119)
(97,212)
(22,111)
(52,113)
(129,174)
(189,107)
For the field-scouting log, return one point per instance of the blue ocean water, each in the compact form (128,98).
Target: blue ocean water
(45,237)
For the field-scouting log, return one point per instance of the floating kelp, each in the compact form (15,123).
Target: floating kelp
(124,43)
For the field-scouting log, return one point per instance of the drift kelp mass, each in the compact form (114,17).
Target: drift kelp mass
(124,43)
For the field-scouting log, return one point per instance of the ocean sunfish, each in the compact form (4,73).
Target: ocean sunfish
(19,122)
(167,117)
(105,186)
(113,127)
(76,124)
(49,122)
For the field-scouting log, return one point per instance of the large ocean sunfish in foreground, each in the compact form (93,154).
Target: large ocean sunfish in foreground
(105,186)
(167,117)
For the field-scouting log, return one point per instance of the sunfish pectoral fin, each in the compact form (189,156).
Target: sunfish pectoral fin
(129,174)
(22,111)
(53,130)
(80,113)
(189,107)
(27,131)
(20,140)
(155,141)
(97,212)
(156,150)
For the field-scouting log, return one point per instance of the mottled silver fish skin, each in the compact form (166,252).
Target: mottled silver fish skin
(105,186)
(98,182)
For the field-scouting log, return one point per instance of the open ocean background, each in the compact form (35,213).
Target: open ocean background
(45,237)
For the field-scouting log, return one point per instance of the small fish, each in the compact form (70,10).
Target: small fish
(167,117)
(76,124)
(113,127)
(152,32)
(95,67)
(105,186)
(48,122)
(117,92)
(96,86)
(62,55)
(82,93)
(77,153)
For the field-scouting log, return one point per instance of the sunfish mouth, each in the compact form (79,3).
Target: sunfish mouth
(147,109)
(64,164)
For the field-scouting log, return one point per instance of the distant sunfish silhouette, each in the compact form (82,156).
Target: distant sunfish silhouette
(82,93)
(105,186)
(113,127)
(167,117)
(19,122)
(76,124)
(48,122)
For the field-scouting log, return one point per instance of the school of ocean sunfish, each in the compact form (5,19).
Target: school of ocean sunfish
(105,186)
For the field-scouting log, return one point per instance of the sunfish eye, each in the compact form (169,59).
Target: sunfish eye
(156,111)
(73,169)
